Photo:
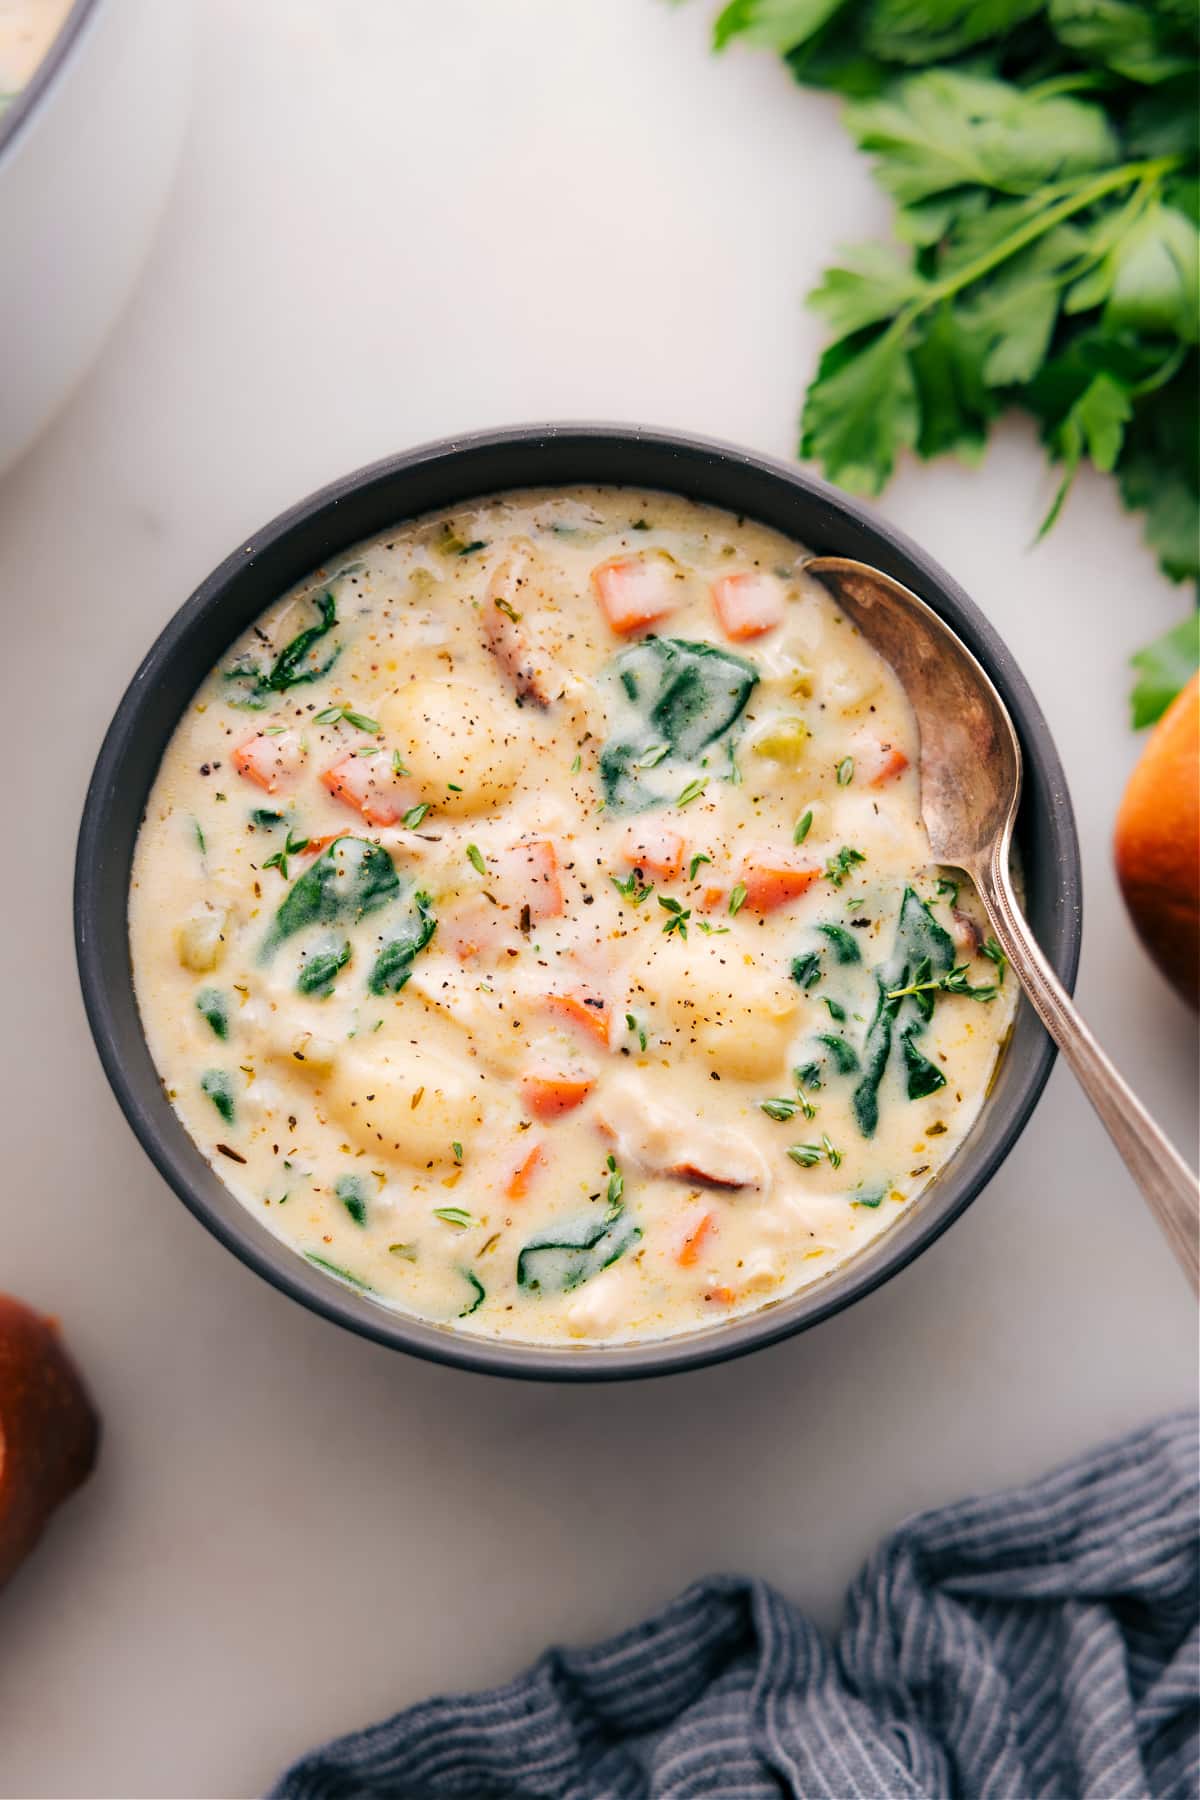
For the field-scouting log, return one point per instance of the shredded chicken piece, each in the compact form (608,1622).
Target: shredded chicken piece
(667,1141)
(507,634)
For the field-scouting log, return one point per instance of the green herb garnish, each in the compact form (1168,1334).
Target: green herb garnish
(803,827)
(839,866)
(475,858)
(335,715)
(737,900)
(293,847)
(845,771)
(633,888)
(332,1268)
(781,1110)
(679,916)
(955,981)
(995,954)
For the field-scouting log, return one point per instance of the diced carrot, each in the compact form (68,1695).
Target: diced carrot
(376,794)
(655,850)
(518,1182)
(267,759)
(529,873)
(725,1295)
(633,591)
(748,603)
(315,845)
(585,1010)
(548,1096)
(689,1251)
(894,762)
(774,878)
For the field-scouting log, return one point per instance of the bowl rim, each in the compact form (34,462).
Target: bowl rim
(21,111)
(170,1149)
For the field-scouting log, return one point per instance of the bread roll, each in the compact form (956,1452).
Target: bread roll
(48,1429)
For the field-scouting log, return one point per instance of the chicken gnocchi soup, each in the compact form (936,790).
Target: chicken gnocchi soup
(533,924)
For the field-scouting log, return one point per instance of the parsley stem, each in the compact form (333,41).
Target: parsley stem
(1040,224)
(1074,200)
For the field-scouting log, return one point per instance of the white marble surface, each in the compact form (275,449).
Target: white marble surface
(394,222)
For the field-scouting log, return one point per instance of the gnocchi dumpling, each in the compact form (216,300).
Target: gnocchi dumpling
(411,1103)
(461,748)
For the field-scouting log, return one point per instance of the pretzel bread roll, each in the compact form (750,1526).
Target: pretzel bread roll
(1157,844)
(48,1429)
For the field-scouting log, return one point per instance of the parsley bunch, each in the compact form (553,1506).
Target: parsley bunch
(1043,160)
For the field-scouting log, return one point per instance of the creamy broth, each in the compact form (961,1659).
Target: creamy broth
(27,30)
(520,917)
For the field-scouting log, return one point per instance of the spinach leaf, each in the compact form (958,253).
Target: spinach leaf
(213,1007)
(353,1196)
(844,1055)
(567,1255)
(876,1050)
(332,1268)
(920,943)
(298,662)
(806,969)
(923,1077)
(478,1291)
(687,695)
(845,944)
(319,970)
(219,1088)
(393,965)
(347,881)
(870,1196)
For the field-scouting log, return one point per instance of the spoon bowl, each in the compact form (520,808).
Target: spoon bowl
(970,757)
(970,768)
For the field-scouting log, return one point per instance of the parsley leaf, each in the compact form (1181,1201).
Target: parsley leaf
(1043,157)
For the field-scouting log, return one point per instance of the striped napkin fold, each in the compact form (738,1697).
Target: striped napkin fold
(1038,1643)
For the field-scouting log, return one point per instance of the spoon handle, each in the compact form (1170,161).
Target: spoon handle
(1167,1184)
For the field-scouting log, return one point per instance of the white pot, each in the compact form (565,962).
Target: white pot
(86,156)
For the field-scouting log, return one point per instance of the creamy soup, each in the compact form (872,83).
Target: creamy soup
(27,30)
(533,924)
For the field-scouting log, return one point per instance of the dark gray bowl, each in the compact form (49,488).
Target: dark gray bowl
(446,474)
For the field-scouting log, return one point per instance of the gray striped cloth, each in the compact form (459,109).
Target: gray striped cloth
(1043,1642)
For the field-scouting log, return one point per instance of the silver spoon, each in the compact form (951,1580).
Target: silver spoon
(970,786)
